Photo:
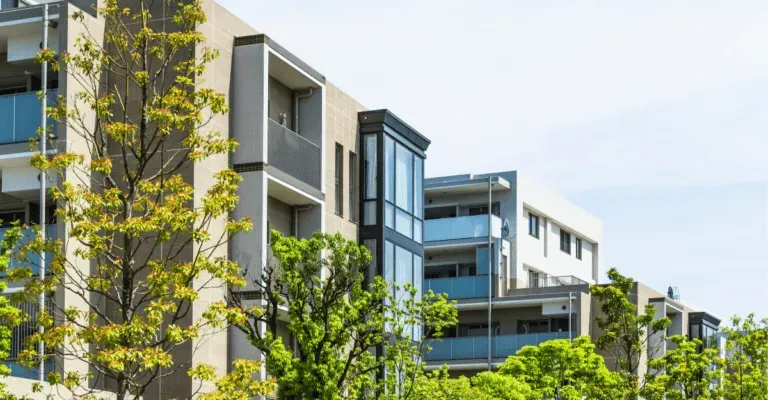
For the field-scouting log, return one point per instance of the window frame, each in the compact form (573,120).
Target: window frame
(391,187)
(579,246)
(534,230)
(339,180)
(353,214)
(565,245)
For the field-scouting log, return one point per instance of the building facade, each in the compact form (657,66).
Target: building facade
(544,254)
(312,158)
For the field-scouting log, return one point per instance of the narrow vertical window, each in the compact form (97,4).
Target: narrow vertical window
(339,179)
(533,225)
(565,241)
(578,248)
(352,187)
(370,178)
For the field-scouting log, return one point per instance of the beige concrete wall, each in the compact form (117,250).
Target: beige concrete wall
(341,128)
(220,30)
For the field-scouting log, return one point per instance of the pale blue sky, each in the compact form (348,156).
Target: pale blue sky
(651,115)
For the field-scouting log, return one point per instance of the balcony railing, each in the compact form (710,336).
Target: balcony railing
(293,154)
(476,347)
(468,227)
(552,281)
(462,287)
(19,335)
(20,116)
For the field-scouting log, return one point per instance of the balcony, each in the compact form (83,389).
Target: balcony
(476,347)
(461,228)
(463,287)
(294,155)
(20,116)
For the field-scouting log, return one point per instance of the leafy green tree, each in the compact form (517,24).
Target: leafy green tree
(439,385)
(746,361)
(499,386)
(10,316)
(626,332)
(687,371)
(142,245)
(354,339)
(563,369)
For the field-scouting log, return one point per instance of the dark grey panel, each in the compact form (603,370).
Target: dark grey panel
(262,38)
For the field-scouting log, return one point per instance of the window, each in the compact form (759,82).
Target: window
(533,225)
(404,178)
(339,179)
(369,158)
(533,326)
(578,248)
(534,279)
(565,241)
(483,210)
(370,244)
(468,269)
(389,166)
(352,187)
(418,190)
(440,212)
(403,190)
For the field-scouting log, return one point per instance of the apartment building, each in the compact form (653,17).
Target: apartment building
(311,157)
(533,285)
(544,254)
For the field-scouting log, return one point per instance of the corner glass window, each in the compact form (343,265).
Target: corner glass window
(389,166)
(370,166)
(404,178)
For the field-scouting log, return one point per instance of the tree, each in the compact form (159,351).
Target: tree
(141,244)
(499,386)
(9,315)
(438,385)
(687,371)
(746,361)
(563,369)
(353,339)
(625,332)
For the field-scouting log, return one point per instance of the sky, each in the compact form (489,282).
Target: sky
(650,115)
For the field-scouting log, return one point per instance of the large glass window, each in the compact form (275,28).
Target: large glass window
(418,191)
(369,158)
(404,192)
(339,179)
(403,269)
(389,166)
(403,223)
(370,166)
(352,185)
(404,178)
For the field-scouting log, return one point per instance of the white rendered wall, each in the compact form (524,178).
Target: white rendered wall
(544,254)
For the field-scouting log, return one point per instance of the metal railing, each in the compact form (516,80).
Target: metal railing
(467,227)
(476,347)
(552,281)
(20,116)
(462,287)
(294,154)
(27,328)
(19,335)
